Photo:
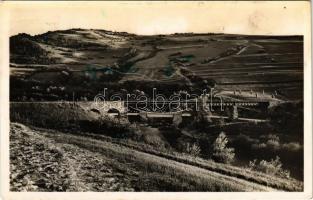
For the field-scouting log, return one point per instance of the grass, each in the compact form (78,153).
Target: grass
(176,174)
(225,169)
(38,163)
(23,113)
(153,173)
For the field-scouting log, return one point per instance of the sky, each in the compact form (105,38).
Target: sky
(148,18)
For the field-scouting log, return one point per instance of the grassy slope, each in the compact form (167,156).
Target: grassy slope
(62,116)
(101,165)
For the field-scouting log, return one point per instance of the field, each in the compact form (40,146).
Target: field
(61,141)
(78,60)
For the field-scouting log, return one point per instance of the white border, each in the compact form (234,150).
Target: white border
(4,128)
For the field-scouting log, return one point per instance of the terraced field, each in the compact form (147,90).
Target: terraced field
(233,62)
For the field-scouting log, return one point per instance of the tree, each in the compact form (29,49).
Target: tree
(221,153)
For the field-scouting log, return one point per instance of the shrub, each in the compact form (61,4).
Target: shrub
(273,144)
(193,149)
(252,164)
(221,122)
(152,139)
(221,153)
(272,167)
(292,146)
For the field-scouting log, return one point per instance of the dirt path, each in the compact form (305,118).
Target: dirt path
(42,161)
(40,164)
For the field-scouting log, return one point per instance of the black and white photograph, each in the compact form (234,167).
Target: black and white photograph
(158,96)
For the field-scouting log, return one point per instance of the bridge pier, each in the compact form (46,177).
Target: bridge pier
(143,116)
(234,114)
(177,119)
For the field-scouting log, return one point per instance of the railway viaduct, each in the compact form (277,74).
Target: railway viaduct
(134,114)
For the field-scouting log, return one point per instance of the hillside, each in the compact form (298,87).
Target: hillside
(82,163)
(281,135)
(99,58)
(59,118)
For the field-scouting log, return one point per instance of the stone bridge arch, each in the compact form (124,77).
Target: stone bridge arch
(117,105)
(104,106)
(114,112)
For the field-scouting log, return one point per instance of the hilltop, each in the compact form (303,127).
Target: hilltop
(192,62)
